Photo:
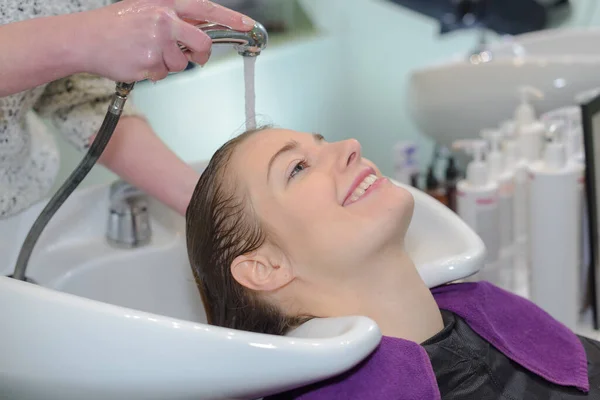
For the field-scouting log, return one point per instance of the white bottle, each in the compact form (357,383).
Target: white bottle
(569,119)
(576,156)
(504,178)
(570,116)
(477,205)
(530,132)
(555,215)
(518,168)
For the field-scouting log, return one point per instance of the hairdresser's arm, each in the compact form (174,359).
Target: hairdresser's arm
(127,41)
(77,105)
(36,51)
(138,156)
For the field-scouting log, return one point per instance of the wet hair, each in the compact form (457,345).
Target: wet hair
(220,226)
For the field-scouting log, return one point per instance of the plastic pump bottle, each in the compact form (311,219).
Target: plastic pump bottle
(516,166)
(477,204)
(555,216)
(504,178)
(571,117)
(530,132)
(569,120)
(510,147)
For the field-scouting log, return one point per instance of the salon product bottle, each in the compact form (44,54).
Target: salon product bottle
(529,135)
(530,132)
(555,216)
(451,175)
(477,205)
(504,178)
(569,120)
(570,116)
(405,162)
(518,168)
(575,156)
(433,187)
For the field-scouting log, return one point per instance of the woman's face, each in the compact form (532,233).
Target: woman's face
(327,208)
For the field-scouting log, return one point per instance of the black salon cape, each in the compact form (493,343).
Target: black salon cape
(468,367)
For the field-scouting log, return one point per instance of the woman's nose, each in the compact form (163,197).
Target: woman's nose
(350,152)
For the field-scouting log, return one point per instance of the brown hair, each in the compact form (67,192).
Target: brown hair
(220,226)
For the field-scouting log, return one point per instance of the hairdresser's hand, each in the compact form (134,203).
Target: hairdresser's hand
(138,39)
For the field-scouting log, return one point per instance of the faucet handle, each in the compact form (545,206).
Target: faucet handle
(128,218)
(120,193)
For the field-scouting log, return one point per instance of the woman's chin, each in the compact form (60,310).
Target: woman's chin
(399,201)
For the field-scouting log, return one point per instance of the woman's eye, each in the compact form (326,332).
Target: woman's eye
(301,166)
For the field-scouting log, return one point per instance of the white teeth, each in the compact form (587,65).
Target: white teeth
(358,192)
(362,188)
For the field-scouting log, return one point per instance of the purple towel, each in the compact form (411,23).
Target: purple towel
(392,369)
(400,369)
(520,330)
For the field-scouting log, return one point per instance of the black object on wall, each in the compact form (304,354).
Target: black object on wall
(590,119)
(506,17)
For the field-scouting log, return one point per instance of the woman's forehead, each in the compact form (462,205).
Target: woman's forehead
(273,137)
(253,154)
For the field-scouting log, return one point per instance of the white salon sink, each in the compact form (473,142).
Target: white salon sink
(129,324)
(560,42)
(154,280)
(457,99)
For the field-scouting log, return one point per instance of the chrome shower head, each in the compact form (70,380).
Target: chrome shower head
(247,44)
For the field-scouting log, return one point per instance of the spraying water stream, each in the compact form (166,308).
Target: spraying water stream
(250,96)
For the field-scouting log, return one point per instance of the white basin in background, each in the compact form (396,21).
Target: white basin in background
(570,41)
(457,99)
(129,324)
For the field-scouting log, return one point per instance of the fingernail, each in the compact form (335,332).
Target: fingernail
(248,21)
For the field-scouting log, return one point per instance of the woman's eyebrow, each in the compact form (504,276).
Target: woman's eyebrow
(291,145)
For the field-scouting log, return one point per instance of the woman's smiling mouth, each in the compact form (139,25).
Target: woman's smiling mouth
(364,184)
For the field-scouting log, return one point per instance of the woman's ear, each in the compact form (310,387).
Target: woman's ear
(257,271)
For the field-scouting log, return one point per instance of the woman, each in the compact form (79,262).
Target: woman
(55,58)
(284,226)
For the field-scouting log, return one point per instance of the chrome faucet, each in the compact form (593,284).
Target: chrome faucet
(247,44)
(128,218)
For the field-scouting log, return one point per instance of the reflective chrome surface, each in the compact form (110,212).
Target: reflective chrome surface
(247,44)
(128,219)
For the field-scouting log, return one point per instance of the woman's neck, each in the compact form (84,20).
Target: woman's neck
(392,294)
(401,304)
